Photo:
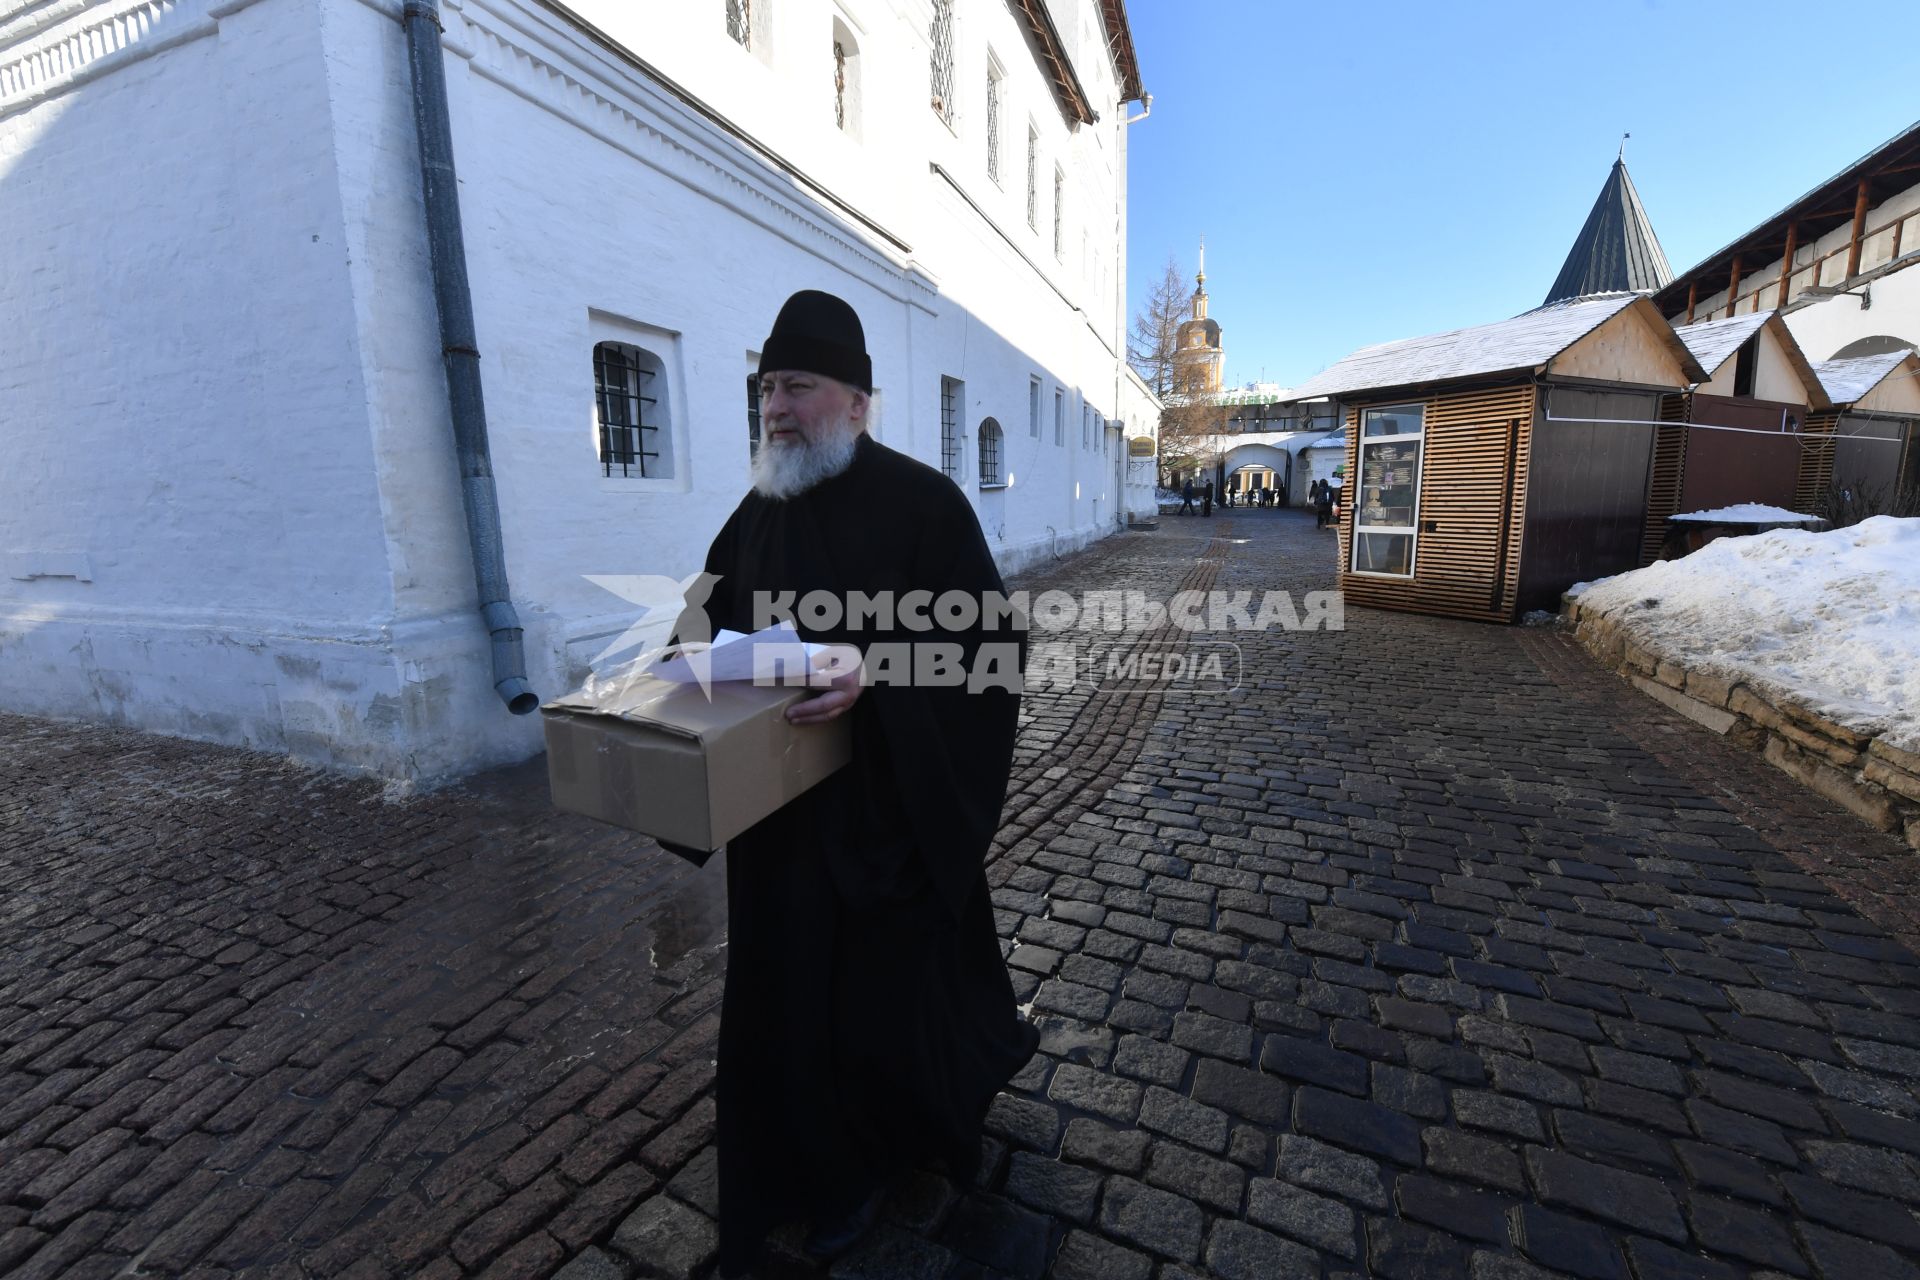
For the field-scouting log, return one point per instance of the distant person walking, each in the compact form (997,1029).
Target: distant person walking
(1322,504)
(1186,499)
(1206,499)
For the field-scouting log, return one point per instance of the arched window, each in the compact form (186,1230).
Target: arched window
(846,80)
(990,474)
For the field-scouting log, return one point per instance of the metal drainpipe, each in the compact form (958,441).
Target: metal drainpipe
(454,301)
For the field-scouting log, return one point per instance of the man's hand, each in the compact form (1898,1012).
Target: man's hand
(837,670)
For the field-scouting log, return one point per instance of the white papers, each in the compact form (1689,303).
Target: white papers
(777,653)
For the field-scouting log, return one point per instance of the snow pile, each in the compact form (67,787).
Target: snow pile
(1828,620)
(1750,513)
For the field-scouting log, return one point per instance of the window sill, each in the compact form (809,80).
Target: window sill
(637,484)
(991,488)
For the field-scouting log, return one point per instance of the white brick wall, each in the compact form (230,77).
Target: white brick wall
(230,405)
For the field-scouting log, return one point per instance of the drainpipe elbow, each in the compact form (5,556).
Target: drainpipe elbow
(509,659)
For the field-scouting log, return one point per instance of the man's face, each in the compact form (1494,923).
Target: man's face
(799,408)
(810,427)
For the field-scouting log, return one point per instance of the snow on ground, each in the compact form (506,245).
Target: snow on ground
(1831,620)
(1750,513)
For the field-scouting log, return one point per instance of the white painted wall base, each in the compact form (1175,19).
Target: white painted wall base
(396,701)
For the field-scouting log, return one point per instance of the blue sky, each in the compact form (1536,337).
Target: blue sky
(1371,171)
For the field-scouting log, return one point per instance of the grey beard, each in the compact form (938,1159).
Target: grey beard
(786,471)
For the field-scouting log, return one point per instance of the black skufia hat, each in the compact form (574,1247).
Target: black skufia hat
(816,332)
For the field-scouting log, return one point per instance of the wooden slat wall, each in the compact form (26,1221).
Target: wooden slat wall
(1465,488)
(1816,463)
(1664,476)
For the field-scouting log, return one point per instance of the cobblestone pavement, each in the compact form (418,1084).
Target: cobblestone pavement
(1429,951)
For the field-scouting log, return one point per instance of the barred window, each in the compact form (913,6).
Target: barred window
(753,415)
(990,454)
(1059,212)
(629,419)
(1033,177)
(993,122)
(940,37)
(740,22)
(950,390)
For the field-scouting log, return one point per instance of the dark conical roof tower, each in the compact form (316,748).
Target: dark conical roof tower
(1616,251)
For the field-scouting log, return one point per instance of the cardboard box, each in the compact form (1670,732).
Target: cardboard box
(667,760)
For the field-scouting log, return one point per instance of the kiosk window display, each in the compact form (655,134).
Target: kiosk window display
(1386,499)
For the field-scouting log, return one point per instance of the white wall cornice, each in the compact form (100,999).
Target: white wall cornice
(51,50)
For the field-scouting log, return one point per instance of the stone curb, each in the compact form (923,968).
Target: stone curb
(1870,778)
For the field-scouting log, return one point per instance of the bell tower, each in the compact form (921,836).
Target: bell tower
(1198,358)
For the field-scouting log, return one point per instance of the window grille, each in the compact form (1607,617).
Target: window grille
(740,22)
(950,427)
(990,453)
(993,124)
(1033,178)
(941,38)
(753,415)
(1059,212)
(839,84)
(620,382)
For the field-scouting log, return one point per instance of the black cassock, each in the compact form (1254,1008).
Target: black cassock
(868,1019)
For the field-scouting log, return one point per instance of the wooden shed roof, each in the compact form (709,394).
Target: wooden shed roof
(1854,378)
(1713,343)
(1526,343)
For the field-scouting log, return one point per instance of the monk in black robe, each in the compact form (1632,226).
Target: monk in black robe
(868,1019)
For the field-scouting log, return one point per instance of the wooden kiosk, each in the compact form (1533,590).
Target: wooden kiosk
(1489,469)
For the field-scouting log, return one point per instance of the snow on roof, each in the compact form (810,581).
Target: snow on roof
(1851,379)
(1831,620)
(1712,341)
(1526,341)
(1749,513)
